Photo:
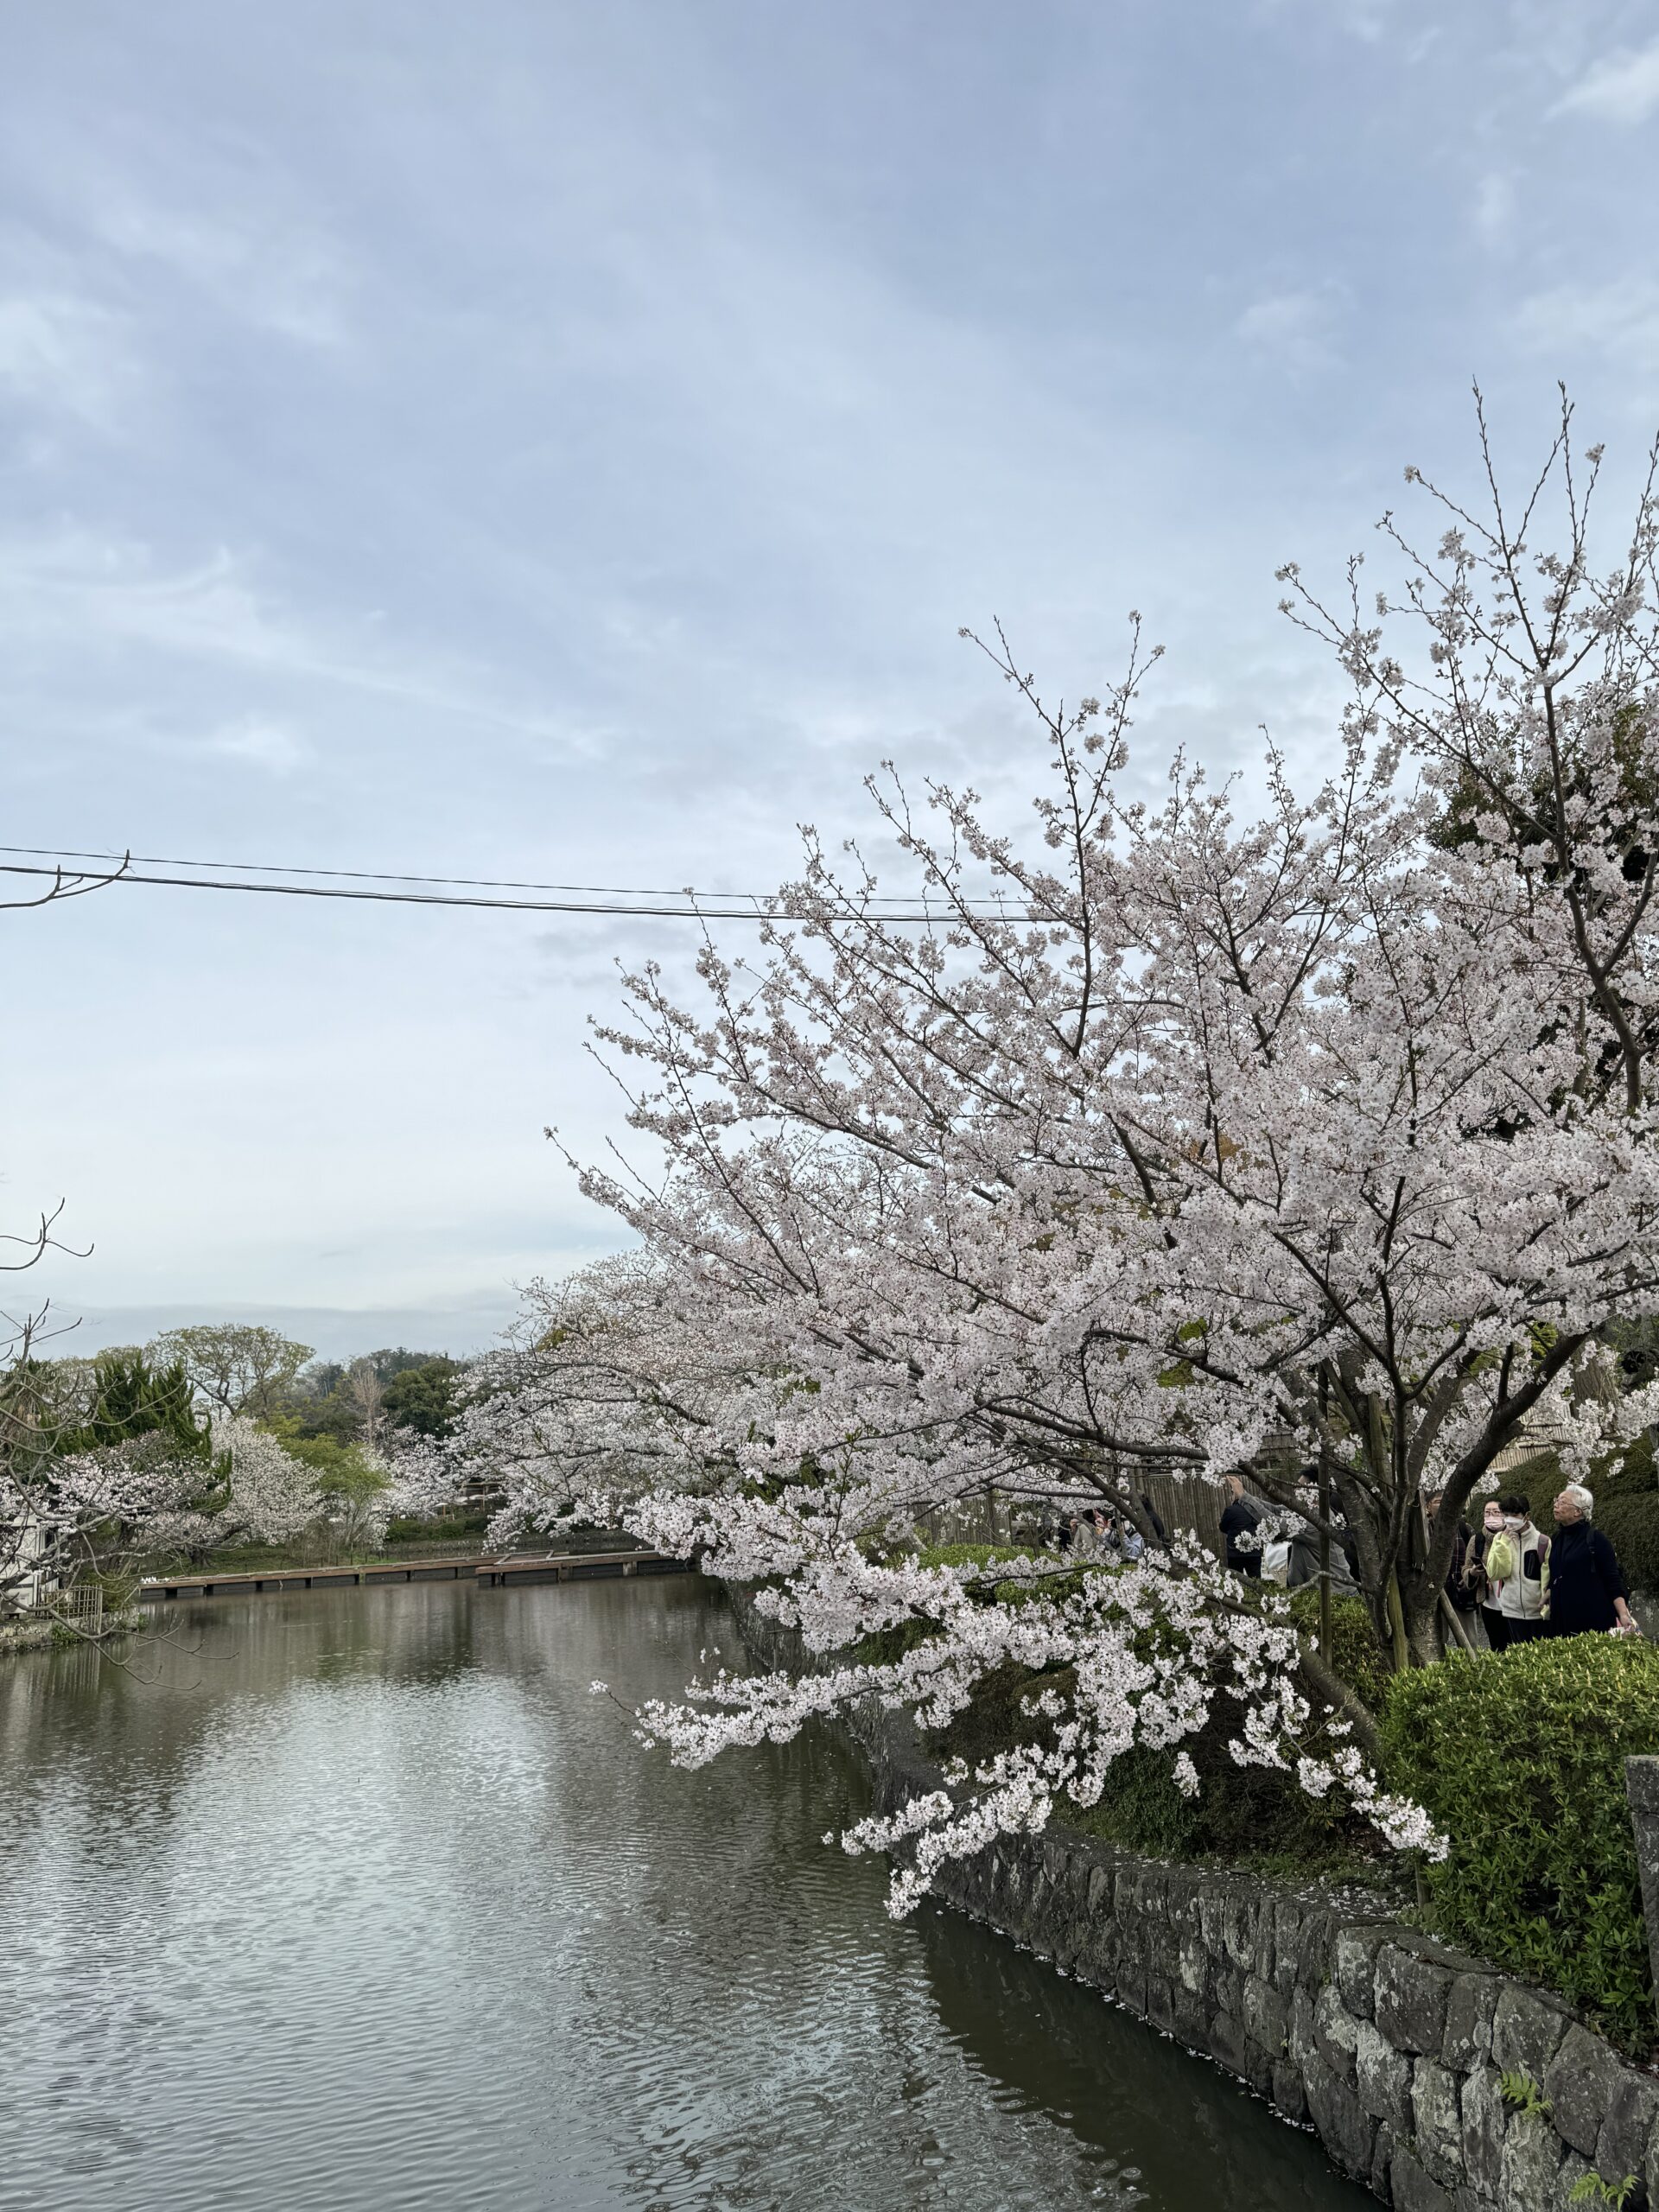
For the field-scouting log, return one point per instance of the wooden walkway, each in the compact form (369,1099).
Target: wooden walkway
(494,1570)
(575,1567)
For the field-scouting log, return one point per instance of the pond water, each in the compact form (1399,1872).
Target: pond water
(363,1901)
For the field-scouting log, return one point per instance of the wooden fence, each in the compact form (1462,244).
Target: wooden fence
(81,1606)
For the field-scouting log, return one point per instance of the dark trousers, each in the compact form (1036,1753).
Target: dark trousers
(1526,1632)
(1497,1627)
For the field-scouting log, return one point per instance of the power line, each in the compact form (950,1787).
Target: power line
(351,874)
(693,909)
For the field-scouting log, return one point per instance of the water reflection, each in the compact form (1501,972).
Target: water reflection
(363,1901)
(1050,2045)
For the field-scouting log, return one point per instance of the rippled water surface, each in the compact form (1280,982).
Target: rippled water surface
(362,1901)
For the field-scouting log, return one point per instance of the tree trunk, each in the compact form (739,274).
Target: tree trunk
(1419,1612)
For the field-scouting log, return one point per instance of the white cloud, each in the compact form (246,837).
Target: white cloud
(261,745)
(79,588)
(1295,329)
(1622,87)
(1619,322)
(1494,206)
(62,355)
(271,273)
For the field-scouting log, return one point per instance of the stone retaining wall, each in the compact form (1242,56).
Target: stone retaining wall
(1390,2046)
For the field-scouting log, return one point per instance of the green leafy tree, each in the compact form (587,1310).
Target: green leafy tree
(398,1359)
(348,1471)
(131,1396)
(423,1398)
(362,1398)
(238,1367)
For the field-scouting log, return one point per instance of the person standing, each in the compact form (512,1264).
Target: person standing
(1238,1522)
(1458,1591)
(1518,1564)
(1477,1579)
(1586,1590)
(1154,1521)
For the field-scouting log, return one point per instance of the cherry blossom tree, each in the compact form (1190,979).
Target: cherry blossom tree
(62,1511)
(1318,1145)
(273,1495)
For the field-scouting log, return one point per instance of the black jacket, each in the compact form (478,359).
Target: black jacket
(1584,1579)
(1240,1518)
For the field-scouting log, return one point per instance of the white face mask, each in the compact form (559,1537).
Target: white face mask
(1513,1521)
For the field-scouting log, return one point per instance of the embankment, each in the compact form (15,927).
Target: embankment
(1391,2047)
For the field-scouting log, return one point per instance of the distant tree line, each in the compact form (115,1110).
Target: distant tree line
(208,1436)
(243,1369)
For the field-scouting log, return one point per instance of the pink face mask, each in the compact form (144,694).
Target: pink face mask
(1494,1518)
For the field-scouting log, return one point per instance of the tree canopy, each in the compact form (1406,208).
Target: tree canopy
(239,1367)
(1318,1145)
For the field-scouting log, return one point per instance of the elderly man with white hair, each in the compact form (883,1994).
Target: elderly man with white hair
(1587,1591)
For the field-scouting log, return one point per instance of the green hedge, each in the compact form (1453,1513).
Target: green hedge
(1520,1759)
(1626,1486)
(1627,1511)
(414,1529)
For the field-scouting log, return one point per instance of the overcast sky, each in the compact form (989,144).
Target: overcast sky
(544,439)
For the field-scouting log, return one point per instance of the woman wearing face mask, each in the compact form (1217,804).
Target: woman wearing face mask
(1475,1574)
(1517,1563)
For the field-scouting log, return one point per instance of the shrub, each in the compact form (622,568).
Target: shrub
(1631,1526)
(1627,1509)
(1142,1808)
(1244,1816)
(1627,1504)
(1356,1655)
(1239,1813)
(1520,1758)
(440,1528)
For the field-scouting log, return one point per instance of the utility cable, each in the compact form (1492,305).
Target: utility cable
(991,902)
(351,874)
(694,909)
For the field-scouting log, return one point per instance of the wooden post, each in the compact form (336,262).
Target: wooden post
(1456,1626)
(1397,1622)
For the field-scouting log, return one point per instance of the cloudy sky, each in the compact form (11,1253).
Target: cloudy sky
(561,438)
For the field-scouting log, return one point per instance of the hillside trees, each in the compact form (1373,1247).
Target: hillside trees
(421,1398)
(236,1366)
(392,1389)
